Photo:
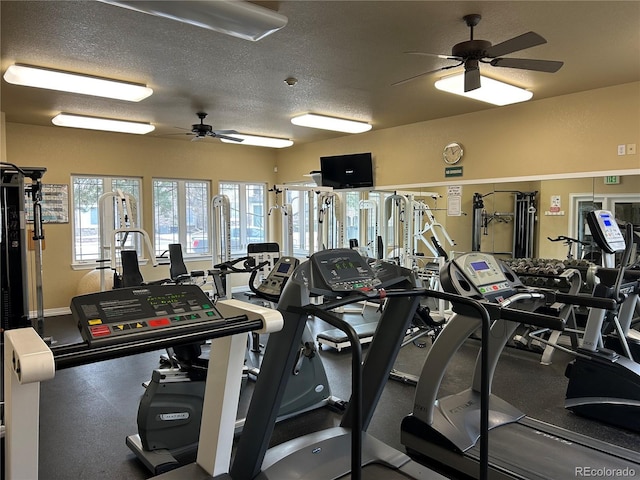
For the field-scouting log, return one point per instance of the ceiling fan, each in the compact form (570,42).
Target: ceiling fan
(201,130)
(473,52)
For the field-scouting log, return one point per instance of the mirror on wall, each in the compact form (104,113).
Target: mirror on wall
(516,219)
(509,219)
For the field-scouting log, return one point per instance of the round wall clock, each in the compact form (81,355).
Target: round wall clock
(452,153)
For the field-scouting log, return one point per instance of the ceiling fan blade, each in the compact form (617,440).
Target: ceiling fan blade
(233,139)
(424,74)
(549,66)
(437,55)
(471,79)
(526,40)
(224,132)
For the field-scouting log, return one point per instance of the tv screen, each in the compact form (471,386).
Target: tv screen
(347,171)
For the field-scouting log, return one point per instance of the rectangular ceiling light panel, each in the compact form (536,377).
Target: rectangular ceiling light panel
(259,141)
(232,17)
(491,91)
(29,76)
(94,123)
(330,123)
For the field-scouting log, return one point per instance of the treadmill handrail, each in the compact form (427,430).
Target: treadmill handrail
(528,295)
(479,307)
(68,356)
(584,301)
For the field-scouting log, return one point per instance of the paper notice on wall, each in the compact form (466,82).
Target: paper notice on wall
(454,200)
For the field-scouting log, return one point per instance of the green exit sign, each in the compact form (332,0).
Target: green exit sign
(612,180)
(453,172)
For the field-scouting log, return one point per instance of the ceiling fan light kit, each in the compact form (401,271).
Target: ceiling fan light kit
(30,76)
(232,17)
(95,123)
(492,91)
(322,122)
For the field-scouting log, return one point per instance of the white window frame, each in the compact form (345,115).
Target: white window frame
(184,237)
(243,214)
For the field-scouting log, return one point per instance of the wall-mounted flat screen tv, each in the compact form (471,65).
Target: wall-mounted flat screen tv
(347,171)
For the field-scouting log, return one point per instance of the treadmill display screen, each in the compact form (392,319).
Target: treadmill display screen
(479,266)
(344,270)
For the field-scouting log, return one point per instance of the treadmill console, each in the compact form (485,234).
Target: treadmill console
(145,312)
(278,276)
(479,275)
(605,231)
(341,270)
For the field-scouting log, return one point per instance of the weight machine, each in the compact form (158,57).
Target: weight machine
(330,221)
(425,223)
(286,211)
(523,218)
(397,210)
(114,240)
(220,229)
(368,211)
(416,223)
(15,286)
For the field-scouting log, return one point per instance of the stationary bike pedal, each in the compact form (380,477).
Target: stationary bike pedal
(337,404)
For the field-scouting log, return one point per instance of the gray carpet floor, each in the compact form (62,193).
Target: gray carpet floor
(87,411)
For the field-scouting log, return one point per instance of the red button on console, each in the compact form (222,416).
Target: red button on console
(159,322)
(100,330)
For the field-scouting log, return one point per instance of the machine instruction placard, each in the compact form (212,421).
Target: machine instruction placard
(55,204)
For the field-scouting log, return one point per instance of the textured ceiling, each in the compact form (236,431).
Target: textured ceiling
(345,56)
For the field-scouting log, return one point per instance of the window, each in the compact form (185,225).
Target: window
(87,213)
(181,215)
(248,214)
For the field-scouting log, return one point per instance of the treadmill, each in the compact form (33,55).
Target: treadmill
(341,277)
(445,430)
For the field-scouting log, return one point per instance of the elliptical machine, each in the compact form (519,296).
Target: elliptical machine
(604,383)
(170,410)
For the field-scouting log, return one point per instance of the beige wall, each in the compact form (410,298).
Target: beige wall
(65,152)
(564,135)
(570,134)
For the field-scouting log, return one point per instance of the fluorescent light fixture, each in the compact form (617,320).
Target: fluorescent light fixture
(259,141)
(491,91)
(329,123)
(232,17)
(94,123)
(29,76)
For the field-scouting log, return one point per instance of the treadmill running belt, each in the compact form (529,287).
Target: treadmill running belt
(534,453)
(376,471)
